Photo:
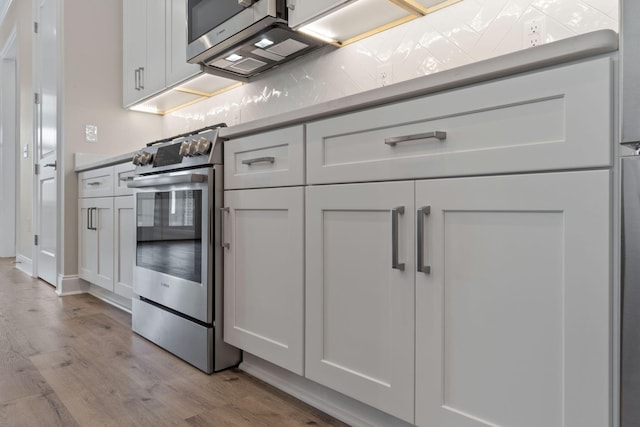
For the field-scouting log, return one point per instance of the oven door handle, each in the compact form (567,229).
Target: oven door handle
(154,181)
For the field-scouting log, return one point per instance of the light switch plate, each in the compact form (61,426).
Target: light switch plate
(91,133)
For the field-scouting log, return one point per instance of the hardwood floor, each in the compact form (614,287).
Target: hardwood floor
(74,361)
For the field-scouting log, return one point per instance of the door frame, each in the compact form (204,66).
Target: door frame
(37,88)
(9,126)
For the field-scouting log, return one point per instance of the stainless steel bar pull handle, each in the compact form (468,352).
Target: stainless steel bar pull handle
(438,134)
(421,214)
(249,162)
(141,78)
(223,241)
(394,238)
(136,75)
(94,183)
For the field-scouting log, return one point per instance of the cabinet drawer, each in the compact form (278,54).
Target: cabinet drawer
(122,174)
(270,159)
(552,119)
(96,183)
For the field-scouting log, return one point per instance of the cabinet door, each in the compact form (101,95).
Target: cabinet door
(263,274)
(178,69)
(513,321)
(95,243)
(143,49)
(124,245)
(359,309)
(305,10)
(87,241)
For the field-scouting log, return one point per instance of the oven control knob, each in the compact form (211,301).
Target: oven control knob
(193,148)
(136,159)
(203,146)
(184,149)
(145,158)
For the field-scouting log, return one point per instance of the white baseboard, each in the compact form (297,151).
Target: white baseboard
(115,300)
(329,401)
(24,264)
(71,285)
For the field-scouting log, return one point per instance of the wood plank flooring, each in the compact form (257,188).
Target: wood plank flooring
(74,361)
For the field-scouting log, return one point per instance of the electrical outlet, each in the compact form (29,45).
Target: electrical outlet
(384,76)
(535,32)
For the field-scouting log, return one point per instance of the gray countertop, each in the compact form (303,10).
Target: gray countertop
(566,50)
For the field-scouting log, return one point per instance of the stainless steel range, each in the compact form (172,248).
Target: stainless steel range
(178,265)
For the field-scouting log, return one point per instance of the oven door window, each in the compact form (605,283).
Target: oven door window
(169,233)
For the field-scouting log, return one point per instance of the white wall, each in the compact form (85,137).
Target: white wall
(466,32)
(92,94)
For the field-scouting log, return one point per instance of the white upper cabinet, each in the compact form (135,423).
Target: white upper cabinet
(154,47)
(178,69)
(143,49)
(301,11)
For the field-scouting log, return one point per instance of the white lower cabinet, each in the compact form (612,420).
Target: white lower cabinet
(512,303)
(359,309)
(95,241)
(124,244)
(512,322)
(264,274)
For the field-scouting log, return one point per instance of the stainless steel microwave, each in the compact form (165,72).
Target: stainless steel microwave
(242,38)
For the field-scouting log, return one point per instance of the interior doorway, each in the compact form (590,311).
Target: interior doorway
(46,139)
(8,146)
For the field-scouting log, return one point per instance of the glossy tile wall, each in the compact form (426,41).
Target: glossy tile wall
(465,32)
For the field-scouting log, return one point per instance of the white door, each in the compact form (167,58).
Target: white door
(264,274)
(359,306)
(512,322)
(46,134)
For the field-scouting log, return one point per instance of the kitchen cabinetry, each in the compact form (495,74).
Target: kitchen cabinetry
(106,229)
(124,244)
(458,251)
(154,47)
(95,244)
(264,274)
(143,49)
(359,308)
(264,258)
(512,327)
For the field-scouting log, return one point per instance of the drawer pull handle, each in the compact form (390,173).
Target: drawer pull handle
(93,183)
(438,134)
(422,212)
(249,162)
(394,238)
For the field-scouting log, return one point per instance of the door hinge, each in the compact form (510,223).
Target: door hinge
(35,239)
(36,169)
(36,98)
(35,27)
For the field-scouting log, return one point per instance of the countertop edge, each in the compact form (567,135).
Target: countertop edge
(108,161)
(561,51)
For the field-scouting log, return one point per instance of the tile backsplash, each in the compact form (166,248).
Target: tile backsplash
(466,32)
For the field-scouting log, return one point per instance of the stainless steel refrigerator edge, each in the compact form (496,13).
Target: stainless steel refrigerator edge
(630,221)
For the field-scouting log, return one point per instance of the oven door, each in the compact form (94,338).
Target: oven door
(173,244)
